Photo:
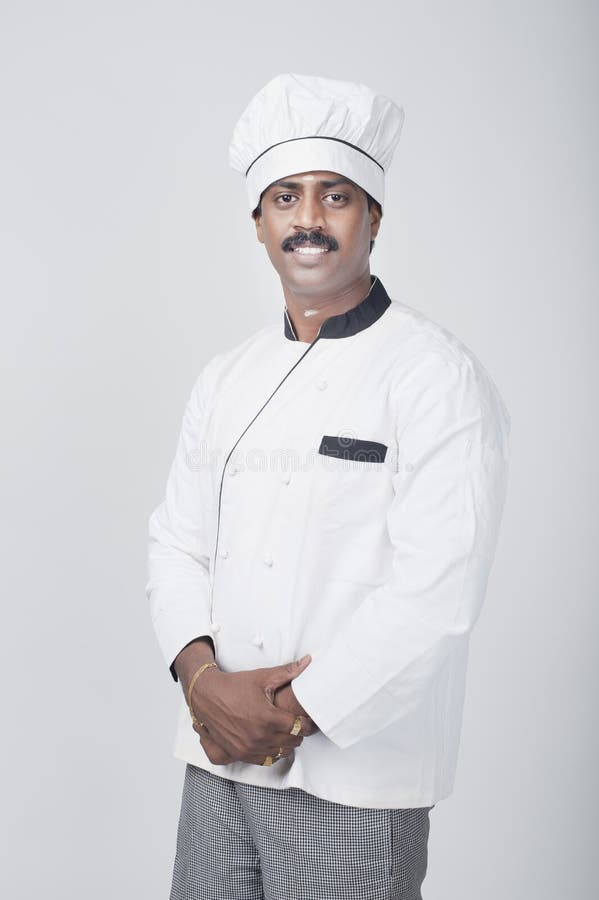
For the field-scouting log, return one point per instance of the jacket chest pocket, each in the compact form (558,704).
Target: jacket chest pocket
(353,478)
(352,449)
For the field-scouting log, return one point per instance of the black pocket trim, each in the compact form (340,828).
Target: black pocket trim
(352,448)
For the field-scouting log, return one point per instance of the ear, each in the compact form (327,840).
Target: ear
(375,220)
(259,231)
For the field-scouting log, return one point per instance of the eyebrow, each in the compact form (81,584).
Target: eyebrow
(296,185)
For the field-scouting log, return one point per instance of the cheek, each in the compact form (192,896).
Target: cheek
(355,234)
(273,245)
(272,237)
(273,249)
(352,222)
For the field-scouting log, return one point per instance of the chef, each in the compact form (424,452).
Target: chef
(323,549)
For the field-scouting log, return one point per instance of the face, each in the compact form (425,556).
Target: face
(317,228)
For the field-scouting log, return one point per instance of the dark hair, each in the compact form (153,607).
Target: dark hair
(369,200)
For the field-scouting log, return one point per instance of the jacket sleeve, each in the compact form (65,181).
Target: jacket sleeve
(178,553)
(449,486)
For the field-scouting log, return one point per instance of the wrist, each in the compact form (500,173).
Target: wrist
(205,667)
(189,660)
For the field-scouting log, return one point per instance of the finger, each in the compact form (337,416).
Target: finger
(308,726)
(258,759)
(217,755)
(290,741)
(277,676)
(281,721)
(200,728)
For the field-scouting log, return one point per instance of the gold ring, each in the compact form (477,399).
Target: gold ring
(267,761)
(297,727)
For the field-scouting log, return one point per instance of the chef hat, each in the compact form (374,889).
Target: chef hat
(304,123)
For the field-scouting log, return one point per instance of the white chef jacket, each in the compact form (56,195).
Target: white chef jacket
(340,498)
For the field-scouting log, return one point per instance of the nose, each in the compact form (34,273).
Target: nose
(309,214)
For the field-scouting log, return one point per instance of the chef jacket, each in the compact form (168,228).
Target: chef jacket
(341,498)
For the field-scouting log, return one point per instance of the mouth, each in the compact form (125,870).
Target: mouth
(310,251)
(309,244)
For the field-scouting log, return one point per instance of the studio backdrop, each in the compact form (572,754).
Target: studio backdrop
(129,258)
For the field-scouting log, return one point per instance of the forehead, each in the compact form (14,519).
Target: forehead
(321,179)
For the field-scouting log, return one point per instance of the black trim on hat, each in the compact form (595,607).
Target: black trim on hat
(355,319)
(309,137)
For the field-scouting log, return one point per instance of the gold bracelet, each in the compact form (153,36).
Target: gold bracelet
(195,677)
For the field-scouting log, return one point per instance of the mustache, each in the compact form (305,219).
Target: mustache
(309,237)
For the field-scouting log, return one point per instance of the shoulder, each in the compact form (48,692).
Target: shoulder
(223,365)
(415,334)
(255,345)
(431,365)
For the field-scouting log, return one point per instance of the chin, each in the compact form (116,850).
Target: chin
(309,279)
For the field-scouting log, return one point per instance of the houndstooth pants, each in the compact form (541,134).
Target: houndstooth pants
(241,842)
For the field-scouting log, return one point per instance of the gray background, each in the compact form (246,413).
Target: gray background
(129,258)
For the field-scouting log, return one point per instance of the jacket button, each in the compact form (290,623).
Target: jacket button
(322,384)
(267,559)
(257,641)
(215,628)
(224,552)
(233,470)
(286,477)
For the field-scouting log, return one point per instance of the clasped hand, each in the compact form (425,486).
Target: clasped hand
(247,716)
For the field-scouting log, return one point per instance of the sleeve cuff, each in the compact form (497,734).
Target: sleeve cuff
(343,698)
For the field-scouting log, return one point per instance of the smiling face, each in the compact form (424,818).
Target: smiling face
(317,229)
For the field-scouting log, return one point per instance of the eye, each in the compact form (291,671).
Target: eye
(285,198)
(337,198)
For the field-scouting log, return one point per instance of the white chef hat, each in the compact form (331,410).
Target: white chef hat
(304,123)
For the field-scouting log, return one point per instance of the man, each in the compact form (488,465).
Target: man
(323,550)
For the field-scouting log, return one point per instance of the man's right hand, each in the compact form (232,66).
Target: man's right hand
(241,722)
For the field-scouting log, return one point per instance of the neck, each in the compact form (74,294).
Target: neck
(308,311)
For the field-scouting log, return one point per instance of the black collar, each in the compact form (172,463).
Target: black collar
(356,319)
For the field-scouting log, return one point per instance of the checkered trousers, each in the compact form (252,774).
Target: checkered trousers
(242,842)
